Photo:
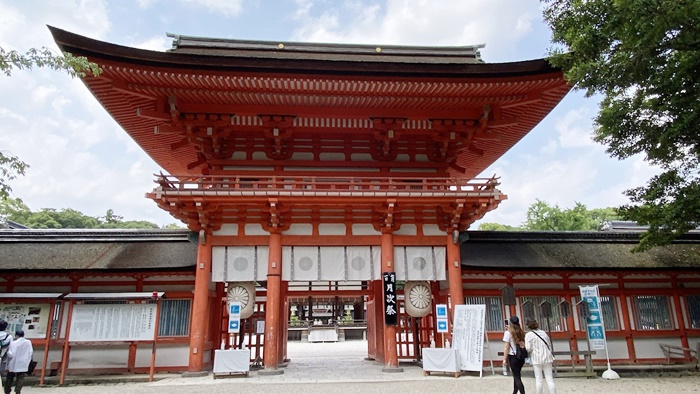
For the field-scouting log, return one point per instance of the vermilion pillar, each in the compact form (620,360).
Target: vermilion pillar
(200,307)
(273,324)
(391,358)
(454,271)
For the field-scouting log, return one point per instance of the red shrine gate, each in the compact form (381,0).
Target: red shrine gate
(275,149)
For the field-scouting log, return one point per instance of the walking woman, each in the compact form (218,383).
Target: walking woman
(539,347)
(513,337)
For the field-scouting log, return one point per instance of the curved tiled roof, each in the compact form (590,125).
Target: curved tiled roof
(96,249)
(575,250)
(232,83)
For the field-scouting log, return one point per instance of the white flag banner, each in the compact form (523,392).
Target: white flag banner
(594,322)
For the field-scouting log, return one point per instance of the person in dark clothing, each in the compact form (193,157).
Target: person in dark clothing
(512,337)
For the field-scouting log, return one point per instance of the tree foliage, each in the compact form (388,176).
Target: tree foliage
(75,66)
(499,227)
(643,57)
(10,168)
(17,211)
(544,217)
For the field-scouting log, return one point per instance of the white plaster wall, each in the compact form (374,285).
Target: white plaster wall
(361,157)
(254,229)
(407,229)
(330,156)
(303,156)
(166,355)
(617,348)
(116,356)
(432,229)
(227,229)
(300,229)
(649,347)
(331,229)
(364,229)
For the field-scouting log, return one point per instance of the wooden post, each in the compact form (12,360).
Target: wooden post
(200,307)
(66,345)
(48,342)
(155,339)
(391,359)
(272,307)
(454,272)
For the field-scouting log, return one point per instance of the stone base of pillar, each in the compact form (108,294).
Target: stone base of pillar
(392,369)
(196,374)
(270,372)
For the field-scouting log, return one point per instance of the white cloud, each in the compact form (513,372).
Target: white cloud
(145,4)
(498,23)
(575,129)
(158,43)
(225,7)
(23,24)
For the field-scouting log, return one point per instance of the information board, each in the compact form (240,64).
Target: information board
(33,319)
(468,336)
(113,322)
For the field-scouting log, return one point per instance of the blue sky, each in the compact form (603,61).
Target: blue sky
(81,159)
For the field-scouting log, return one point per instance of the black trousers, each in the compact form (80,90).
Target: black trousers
(10,379)
(515,367)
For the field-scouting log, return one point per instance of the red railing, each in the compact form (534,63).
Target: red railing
(325,183)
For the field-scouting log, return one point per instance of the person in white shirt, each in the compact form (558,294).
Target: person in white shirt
(512,338)
(539,347)
(19,355)
(5,341)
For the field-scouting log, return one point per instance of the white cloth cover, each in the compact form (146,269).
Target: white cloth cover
(363,262)
(440,360)
(300,263)
(239,263)
(420,263)
(323,335)
(232,360)
(334,263)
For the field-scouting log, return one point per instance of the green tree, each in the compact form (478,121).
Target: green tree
(543,217)
(17,211)
(75,66)
(10,168)
(498,227)
(643,57)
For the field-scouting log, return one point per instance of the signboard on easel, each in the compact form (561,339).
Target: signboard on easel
(468,336)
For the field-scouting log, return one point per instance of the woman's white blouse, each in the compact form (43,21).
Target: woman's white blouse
(536,348)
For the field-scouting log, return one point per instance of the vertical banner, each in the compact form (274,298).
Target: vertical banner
(441,318)
(390,311)
(594,322)
(234,317)
(468,336)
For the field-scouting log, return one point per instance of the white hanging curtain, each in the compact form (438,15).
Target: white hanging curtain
(420,263)
(300,263)
(239,263)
